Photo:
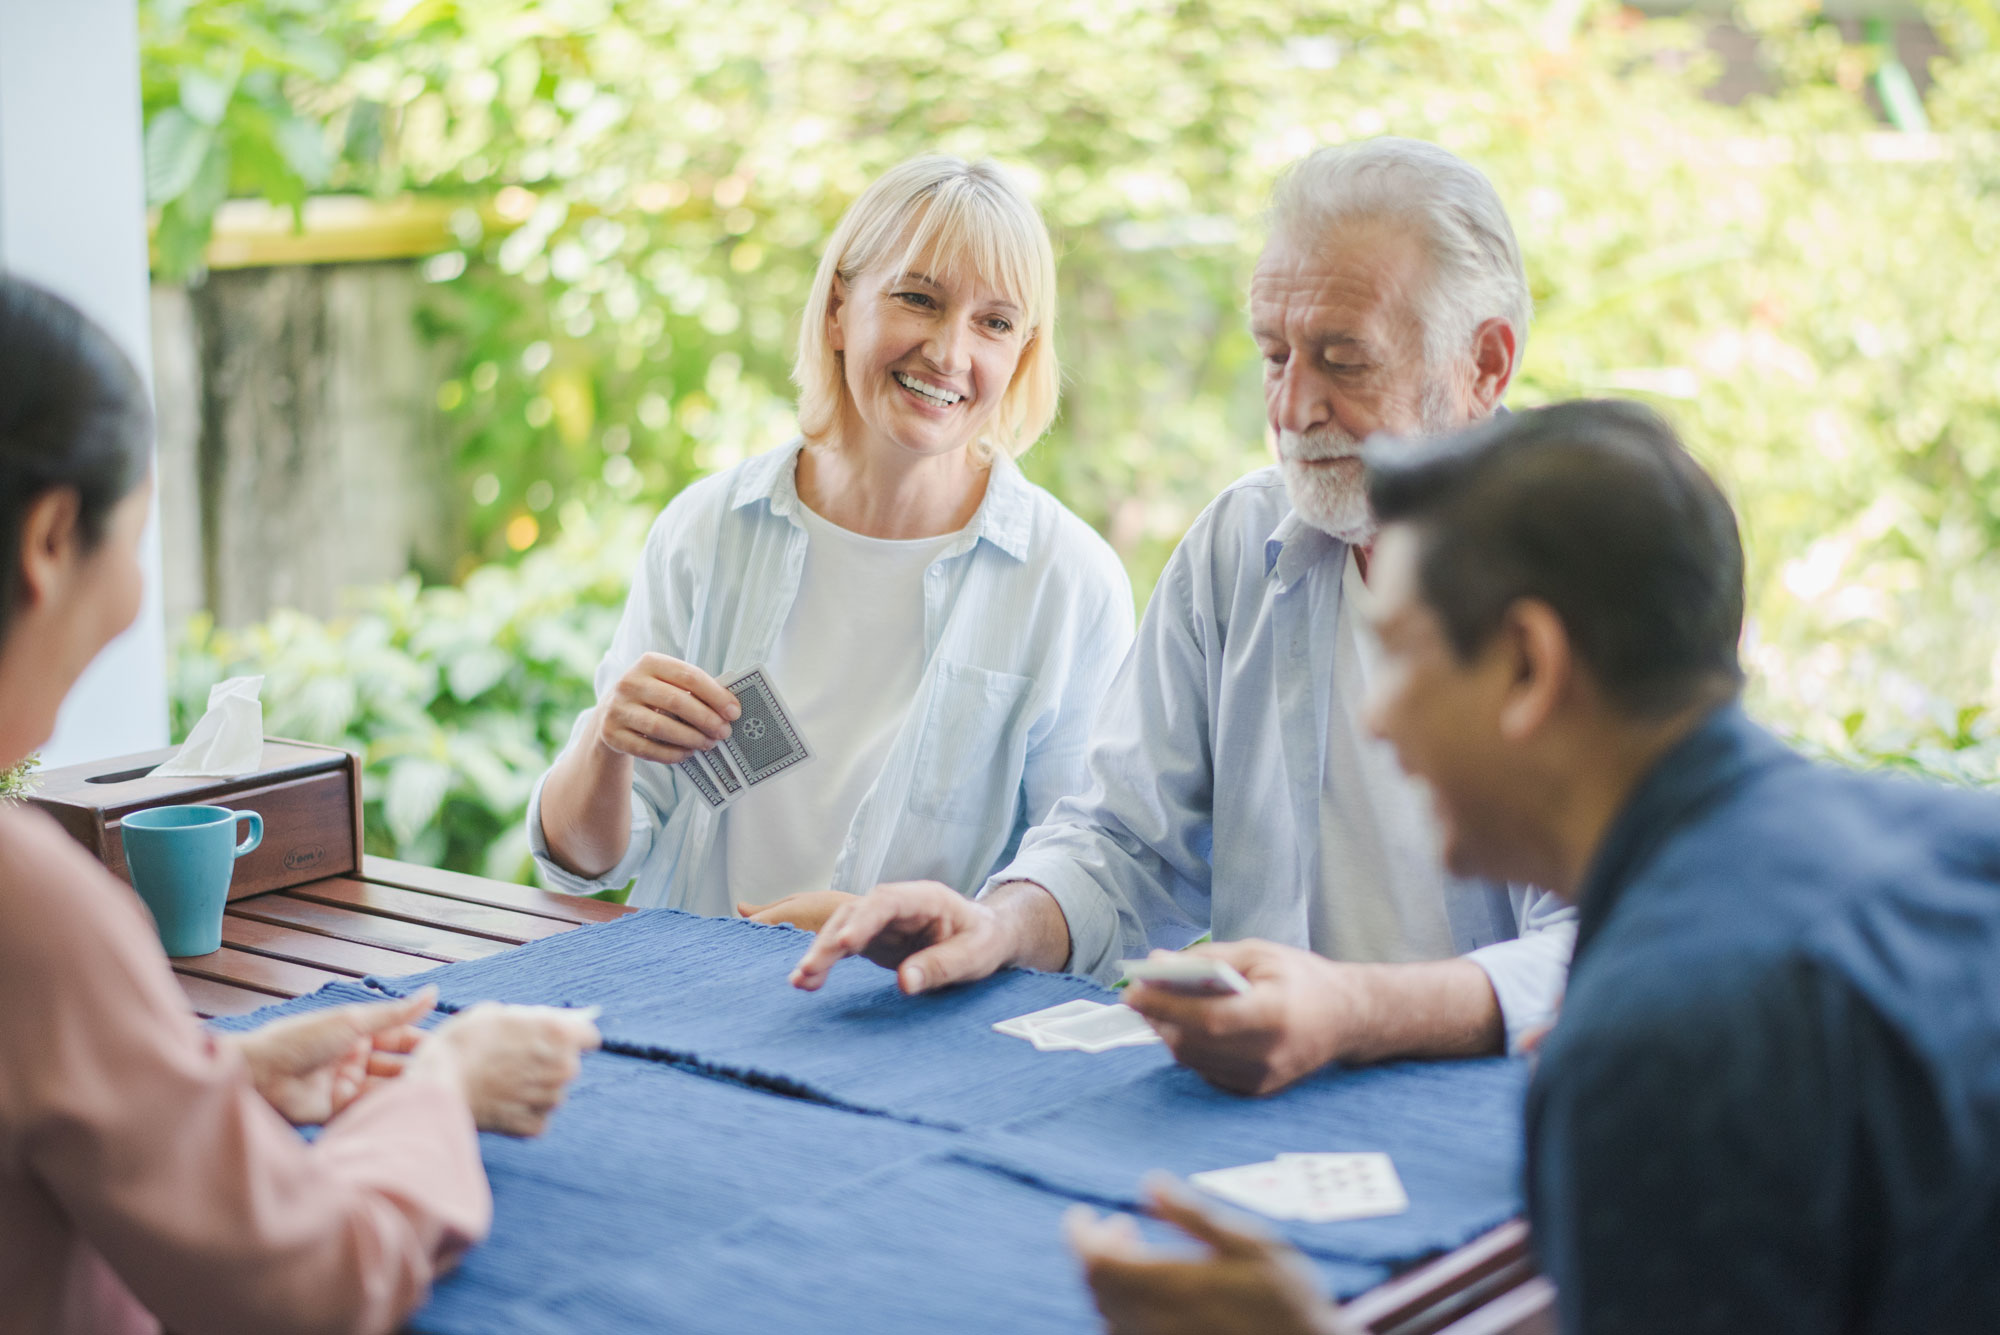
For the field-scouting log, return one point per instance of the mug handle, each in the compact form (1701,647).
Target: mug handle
(256,835)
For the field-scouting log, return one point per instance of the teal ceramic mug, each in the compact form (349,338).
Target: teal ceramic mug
(181,859)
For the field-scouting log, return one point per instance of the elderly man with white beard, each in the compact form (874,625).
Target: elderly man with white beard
(1234,789)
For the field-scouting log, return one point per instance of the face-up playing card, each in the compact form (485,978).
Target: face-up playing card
(1023,1026)
(1316,1188)
(1269,1188)
(1081,1026)
(1346,1186)
(763,743)
(1098,1030)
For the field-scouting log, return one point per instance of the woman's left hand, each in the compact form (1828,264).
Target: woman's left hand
(310,1067)
(809,909)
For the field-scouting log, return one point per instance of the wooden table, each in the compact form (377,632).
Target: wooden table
(397,918)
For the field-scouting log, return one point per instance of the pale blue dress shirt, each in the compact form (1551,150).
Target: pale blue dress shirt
(1026,617)
(1202,811)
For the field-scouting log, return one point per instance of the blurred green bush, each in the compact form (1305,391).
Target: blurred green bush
(455,697)
(1800,286)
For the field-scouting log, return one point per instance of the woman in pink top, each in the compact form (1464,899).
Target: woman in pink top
(147,1171)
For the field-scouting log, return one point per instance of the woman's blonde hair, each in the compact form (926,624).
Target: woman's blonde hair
(948,215)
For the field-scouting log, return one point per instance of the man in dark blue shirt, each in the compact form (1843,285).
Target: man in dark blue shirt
(1772,1103)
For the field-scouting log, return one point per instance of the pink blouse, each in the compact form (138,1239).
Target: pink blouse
(142,1178)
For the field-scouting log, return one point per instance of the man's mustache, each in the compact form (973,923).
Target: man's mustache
(1317,447)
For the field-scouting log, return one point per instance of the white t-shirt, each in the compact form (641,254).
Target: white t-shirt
(1381,892)
(848,662)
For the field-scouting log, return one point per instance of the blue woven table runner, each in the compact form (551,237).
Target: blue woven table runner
(1452,1129)
(932,1245)
(919,1180)
(712,992)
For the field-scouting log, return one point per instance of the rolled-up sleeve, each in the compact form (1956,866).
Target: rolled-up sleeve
(1530,972)
(1126,859)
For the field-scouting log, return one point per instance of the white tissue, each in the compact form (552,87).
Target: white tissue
(229,738)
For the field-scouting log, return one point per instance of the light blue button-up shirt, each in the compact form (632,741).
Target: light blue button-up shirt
(1209,764)
(1026,617)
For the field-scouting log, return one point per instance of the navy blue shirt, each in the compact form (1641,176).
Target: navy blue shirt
(1773,1100)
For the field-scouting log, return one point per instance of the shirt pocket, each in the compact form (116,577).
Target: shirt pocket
(974,746)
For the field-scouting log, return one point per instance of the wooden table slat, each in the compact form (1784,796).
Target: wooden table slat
(244,969)
(321,952)
(434,943)
(493,894)
(1527,1309)
(391,901)
(210,998)
(1405,1305)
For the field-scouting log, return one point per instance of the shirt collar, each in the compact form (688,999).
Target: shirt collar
(1005,517)
(1713,758)
(1295,547)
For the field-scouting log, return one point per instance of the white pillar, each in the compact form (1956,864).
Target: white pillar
(73,218)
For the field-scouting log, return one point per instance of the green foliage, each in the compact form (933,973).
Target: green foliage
(455,697)
(1797,285)
(17,781)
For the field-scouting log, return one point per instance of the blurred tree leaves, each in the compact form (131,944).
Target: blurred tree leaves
(647,184)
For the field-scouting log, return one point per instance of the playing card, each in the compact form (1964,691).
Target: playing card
(1270,1188)
(1098,1030)
(704,782)
(762,742)
(1188,975)
(1345,1186)
(1023,1026)
(1314,1188)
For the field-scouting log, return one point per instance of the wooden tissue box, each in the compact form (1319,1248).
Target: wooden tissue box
(309,797)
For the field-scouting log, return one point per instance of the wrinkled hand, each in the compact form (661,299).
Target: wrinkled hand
(1290,1023)
(310,1067)
(925,930)
(513,1062)
(666,710)
(809,909)
(1246,1283)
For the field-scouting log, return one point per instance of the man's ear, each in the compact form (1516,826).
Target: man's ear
(836,298)
(1493,353)
(51,542)
(1538,648)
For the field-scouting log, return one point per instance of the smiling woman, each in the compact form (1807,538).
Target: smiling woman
(941,628)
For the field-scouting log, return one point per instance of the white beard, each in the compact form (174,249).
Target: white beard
(1332,497)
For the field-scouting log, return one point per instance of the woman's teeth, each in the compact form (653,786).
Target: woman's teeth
(937,394)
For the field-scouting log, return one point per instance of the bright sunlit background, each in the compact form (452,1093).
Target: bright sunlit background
(450,298)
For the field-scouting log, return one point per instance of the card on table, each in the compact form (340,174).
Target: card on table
(1081,1026)
(763,743)
(1314,1188)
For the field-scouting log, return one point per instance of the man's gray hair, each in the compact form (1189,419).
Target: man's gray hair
(1476,272)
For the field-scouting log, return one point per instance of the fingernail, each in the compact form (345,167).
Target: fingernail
(913,979)
(736,711)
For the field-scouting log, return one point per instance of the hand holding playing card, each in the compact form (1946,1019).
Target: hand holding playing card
(1247,1282)
(665,710)
(1293,1020)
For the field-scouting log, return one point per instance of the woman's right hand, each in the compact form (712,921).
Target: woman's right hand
(513,1062)
(663,709)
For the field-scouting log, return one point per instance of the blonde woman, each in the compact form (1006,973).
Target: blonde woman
(941,628)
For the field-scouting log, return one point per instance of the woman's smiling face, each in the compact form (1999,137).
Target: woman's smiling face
(927,357)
